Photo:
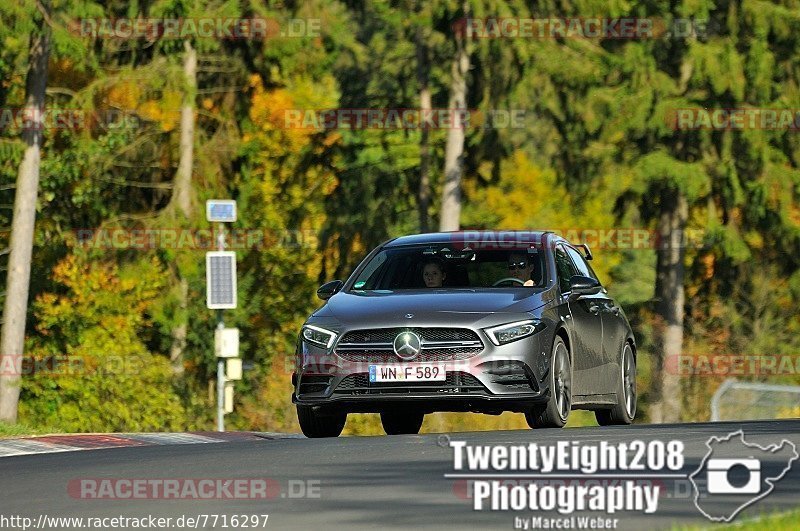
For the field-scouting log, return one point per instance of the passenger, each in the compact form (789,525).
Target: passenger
(433,274)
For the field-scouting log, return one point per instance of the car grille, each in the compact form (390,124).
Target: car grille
(314,384)
(456,383)
(438,344)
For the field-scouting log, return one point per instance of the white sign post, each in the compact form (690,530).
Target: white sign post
(221,295)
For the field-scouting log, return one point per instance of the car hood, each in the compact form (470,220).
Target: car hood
(387,308)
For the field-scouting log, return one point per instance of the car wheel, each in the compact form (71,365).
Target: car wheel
(405,423)
(555,413)
(625,408)
(315,424)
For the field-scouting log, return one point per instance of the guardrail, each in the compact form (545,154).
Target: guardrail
(754,400)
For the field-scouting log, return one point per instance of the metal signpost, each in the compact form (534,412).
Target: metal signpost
(221,295)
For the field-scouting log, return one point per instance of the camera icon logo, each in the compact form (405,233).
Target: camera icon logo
(725,476)
(735,474)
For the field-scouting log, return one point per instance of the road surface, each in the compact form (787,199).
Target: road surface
(393,482)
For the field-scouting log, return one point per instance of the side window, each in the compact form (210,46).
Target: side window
(564,268)
(580,263)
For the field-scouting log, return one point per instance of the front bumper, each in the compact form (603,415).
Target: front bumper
(508,377)
(491,404)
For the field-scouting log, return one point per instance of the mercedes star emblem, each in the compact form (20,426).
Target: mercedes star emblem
(407,345)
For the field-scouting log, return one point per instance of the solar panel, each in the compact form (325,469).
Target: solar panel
(221,280)
(221,210)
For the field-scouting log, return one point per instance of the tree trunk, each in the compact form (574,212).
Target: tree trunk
(183,200)
(182,189)
(669,307)
(454,150)
(181,330)
(423,78)
(12,342)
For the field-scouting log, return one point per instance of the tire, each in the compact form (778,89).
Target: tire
(401,423)
(625,409)
(555,413)
(315,425)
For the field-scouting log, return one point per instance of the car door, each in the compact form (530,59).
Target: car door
(612,334)
(587,357)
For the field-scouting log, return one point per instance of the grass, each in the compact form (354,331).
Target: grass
(19,430)
(580,418)
(784,521)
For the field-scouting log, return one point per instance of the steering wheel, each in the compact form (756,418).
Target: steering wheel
(508,279)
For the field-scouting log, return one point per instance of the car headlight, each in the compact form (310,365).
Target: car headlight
(318,336)
(506,333)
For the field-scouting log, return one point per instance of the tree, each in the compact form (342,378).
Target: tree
(454,150)
(423,78)
(596,151)
(670,299)
(182,194)
(12,336)
(182,189)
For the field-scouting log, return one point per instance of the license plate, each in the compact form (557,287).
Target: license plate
(423,372)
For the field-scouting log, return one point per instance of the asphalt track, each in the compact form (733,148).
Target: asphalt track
(364,482)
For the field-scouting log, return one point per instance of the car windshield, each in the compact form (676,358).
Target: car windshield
(421,267)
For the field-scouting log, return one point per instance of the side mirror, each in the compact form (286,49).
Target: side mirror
(329,289)
(587,253)
(581,285)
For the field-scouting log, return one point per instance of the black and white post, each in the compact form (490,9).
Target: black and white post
(221,295)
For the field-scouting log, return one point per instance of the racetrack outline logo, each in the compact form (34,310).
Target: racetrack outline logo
(753,465)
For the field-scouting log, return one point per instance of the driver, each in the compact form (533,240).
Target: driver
(521,268)
(433,274)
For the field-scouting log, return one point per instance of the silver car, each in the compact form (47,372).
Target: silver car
(480,321)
